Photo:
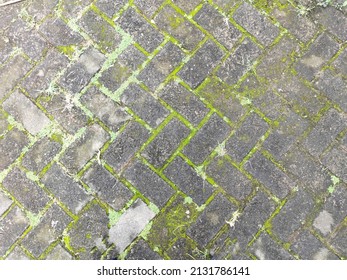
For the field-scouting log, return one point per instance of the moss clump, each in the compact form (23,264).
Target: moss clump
(172,223)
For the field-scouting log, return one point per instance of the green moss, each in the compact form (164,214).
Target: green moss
(172,223)
(34,220)
(67,50)
(57,138)
(113,217)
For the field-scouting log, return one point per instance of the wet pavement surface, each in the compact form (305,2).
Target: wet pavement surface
(173,129)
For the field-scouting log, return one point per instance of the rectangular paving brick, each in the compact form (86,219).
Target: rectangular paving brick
(27,38)
(58,33)
(84,148)
(229,178)
(50,227)
(226,5)
(70,8)
(143,33)
(11,227)
(333,212)
(161,66)
(222,98)
(148,183)
(334,87)
(126,63)
(210,221)
(340,63)
(333,19)
(180,28)
(303,99)
(40,9)
(126,144)
(6,49)
(11,146)
(144,105)
(100,31)
(256,24)
(340,240)
(41,154)
(130,224)
(88,234)
(168,140)
(65,112)
(239,62)
(142,251)
(265,248)
(58,253)
(110,7)
(201,64)
(107,187)
(278,59)
(206,139)
(39,79)
(17,254)
(269,175)
(309,173)
(184,102)
(296,211)
(26,191)
(246,137)
(104,108)
(186,178)
(5,203)
(310,248)
(79,74)
(321,50)
(11,73)
(335,160)
(26,112)
(148,7)
(300,26)
(283,137)
(65,188)
(251,220)
(326,130)
(218,25)
(186,6)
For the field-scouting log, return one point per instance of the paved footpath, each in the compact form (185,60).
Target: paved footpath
(173,129)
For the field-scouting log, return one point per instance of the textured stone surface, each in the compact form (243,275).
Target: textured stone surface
(173,130)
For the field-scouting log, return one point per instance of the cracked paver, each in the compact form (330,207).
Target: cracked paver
(173,129)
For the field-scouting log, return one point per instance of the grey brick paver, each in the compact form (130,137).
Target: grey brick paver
(65,188)
(245,138)
(144,104)
(200,65)
(26,112)
(50,228)
(207,139)
(239,62)
(184,102)
(142,32)
(217,213)
(149,183)
(255,23)
(11,73)
(11,227)
(161,148)
(229,178)
(26,191)
(186,178)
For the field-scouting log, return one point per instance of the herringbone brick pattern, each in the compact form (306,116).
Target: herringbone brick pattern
(172,129)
